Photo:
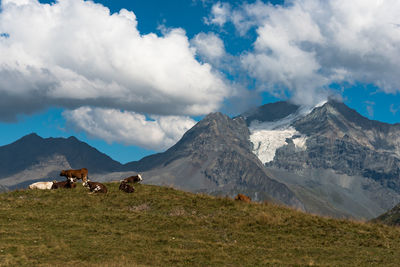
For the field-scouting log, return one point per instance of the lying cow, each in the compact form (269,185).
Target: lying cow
(124,186)
(64,184)
(72,175)
(95,187)
(133,179)
(41,185)
(244,198)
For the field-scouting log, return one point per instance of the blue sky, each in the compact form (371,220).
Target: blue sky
(120,82)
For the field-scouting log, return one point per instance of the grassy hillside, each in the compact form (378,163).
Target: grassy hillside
(392,217)
(158,226)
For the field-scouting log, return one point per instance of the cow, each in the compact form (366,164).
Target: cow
(72,175)
(41,185)
(124,186)
(64,184)
(244,198)
(95,187)
(133,179)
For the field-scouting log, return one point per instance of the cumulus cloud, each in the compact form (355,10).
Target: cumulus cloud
(304,46)
(130,128)
(209,46)
(73,53)
(220,13)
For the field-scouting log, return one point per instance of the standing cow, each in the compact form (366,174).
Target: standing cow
(75,174)
(95,187)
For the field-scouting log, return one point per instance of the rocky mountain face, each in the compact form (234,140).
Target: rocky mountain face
(215,157)
(339,138)
(336,161)
(35,158)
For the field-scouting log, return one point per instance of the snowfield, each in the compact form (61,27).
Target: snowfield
(266,142)
(267,137)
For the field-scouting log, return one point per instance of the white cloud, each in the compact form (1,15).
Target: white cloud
(74,53)
(130,128)
(209,46)
(220,13)
(304,46)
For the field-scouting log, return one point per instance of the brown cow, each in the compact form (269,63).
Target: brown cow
(95,187)
(244,198)
(75,174)
(64,184)
(133,179)
(124,186)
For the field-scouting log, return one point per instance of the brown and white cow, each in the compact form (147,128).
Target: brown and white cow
(124,186)
(95,187)
(64,184)
(72,175)
(41,185)
(133,179)
(244,198)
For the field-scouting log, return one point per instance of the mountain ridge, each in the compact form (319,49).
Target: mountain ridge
(32,150)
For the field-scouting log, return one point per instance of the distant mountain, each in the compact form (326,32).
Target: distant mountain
(33,157)
(336,161)
(332,160)
(215,157)
(270,112)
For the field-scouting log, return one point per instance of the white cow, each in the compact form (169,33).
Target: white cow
(41,185)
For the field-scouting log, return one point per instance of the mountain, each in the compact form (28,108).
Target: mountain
(392,217)
(335,160)
(326,159)
(332,160)
(215,157)
(33,157)
(270,112)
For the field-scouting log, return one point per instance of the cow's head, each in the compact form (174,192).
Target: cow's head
(86,183)
(140,177)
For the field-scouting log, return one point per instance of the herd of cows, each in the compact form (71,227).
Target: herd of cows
(95,187)
(82,174)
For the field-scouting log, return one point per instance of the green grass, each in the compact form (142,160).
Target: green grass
(159,226)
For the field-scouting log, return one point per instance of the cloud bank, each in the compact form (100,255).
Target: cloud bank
(112,125)
(304,46)
(74,53)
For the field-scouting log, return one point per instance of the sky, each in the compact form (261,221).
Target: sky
(130,77)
